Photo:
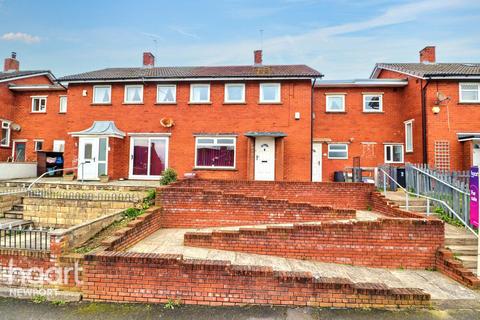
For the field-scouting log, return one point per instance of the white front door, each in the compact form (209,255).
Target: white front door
(317,162)
(476,153)
(88,159)
(265,158)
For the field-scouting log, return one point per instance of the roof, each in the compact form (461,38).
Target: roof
(264,71)
(24,74)
(101,128)
(362,83)
(37,87)
(274,134)
(432,70)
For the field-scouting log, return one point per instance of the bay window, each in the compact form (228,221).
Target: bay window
(215,152)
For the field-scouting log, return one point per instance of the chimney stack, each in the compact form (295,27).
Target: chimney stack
(148,60)
(427,54)
(11,64)
(257,57)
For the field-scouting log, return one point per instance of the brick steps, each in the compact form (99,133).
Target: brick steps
(197,207)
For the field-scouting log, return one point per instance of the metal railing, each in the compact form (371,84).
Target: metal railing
(82,195)
(441,186)
(19,238)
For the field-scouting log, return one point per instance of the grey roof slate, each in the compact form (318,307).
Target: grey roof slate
(9,75)
(434,69)
(263,71)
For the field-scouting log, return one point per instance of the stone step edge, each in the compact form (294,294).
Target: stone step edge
(30,293)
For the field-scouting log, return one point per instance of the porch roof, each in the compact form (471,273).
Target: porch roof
(275,134)
(466,136)
(101,128)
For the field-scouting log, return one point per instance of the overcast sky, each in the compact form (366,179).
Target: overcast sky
(342,39)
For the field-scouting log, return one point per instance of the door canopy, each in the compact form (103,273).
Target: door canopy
(101,128)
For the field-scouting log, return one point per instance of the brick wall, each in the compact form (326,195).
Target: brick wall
(390,243)
(154,278)
(188,207)
(7,202)
(453,268)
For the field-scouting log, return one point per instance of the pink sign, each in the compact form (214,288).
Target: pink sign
(474,205)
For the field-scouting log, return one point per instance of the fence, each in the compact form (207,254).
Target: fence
(71,195)
(450,187)
(18,238)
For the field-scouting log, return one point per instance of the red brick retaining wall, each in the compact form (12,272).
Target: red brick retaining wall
(185,207)
(385,243)
(155,278)
(448,265)
(335,194)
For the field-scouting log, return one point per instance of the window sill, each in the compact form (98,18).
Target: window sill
(214,169)
(173,103)
(373,112)
(100,104)
(273,103)
(62,113)
(469,103)
(133,103)
(200,103)
(394,162)
(234,103)
(38,112)
(337,158)
(340,112)
(5,147)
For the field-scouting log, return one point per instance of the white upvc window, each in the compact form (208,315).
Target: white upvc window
(469,92)
(270,93)
(58,145)
(335,102)
(39,104)
(234,93)
(200,93)
(102,94)
(393,153)
(63,104)
(133,94)
(338,151)
(166,93)
(409,136)
(38,144)
(372,103)
(215,152)
(5,133)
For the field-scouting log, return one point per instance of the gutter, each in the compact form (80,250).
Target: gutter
(424,119)
(312,114)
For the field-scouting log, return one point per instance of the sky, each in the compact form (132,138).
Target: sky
(342,39)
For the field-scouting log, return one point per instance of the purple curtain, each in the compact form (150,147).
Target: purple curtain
(140,160)
(157,157)
(215,156)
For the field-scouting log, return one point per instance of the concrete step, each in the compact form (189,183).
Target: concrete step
(460,240)
(416,208)
(469,262)
(411,202)
(464,250)
(11,214)
(18,207)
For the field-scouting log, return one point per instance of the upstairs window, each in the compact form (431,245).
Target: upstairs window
(393,153)
(133,94)
(234,92)
(102,94)
(5,136)
(215,152)
(39,104)
(409,136)
(269,92)
(63,104)
(338,151)
(335,103)
(38,145)
(372,103)
(200,93)
(470,92)
(166,93)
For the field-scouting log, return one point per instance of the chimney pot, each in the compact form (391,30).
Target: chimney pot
(148,60)
(427,54)
(258,57)
(11,64)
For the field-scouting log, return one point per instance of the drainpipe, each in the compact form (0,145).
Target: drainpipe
(311,127)
(424,120)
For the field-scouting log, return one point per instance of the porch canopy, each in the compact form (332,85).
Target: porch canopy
(254,134)
(466,136)
(101,128)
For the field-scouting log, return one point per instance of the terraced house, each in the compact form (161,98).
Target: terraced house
(254,122)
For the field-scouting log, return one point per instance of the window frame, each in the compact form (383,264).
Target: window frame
(125,95)
(35,141)
(334,95)
(215,138)
(278,84)
(60,104)
(392,145)
(460,92)
(102,86)
(408,123)
(337,158)
(174,96)
(198,85)
(58,142)
(9,132)
(39,98)
(225,94)
(380,107)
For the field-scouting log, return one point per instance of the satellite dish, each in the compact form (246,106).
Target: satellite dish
(15,127)
(441,97)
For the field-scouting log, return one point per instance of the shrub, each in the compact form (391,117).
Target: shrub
(169,176)
(132,212)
